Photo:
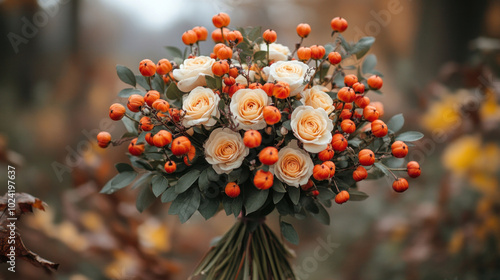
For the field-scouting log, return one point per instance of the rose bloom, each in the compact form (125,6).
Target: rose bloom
(294,166)
(277,52)
(225,150)
(199,106)
(316,97)
(247,107)
(312,127)
(192,72)
(291,72)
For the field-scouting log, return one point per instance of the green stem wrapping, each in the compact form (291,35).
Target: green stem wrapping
(249,250)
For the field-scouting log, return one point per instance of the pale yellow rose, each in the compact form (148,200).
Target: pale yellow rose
(192,72)
(199,107)
(294,166)
(312,127)
(277,52)
(316,97)
(225,150)
(291,72)
(247,107)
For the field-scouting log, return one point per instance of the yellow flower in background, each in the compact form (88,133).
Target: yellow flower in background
(154,235)
(456,242)
(123,266)
(490,109)
(443,114)
(461,154)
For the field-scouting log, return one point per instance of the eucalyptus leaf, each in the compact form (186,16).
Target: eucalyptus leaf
(254,199)
(126,75)
(187,180)
(144,199)
(160,184)
(410,136)
(396,123)
(289,233)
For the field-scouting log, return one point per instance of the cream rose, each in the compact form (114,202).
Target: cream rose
(277,52)
(316,97)
(225,150)
(199,107)
(192,72)
(312,127)
(294,166)
(247,107)
(291,72)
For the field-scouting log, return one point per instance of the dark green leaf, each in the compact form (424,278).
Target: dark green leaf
(260,55)
(287,125)
(159,84)
(382,168)
(129,91)
(294,194)
(173,52)
(211,82)
(209,207)
(123,167)
(160,184)
(410,136)
(245,173)
(322,215)
(254,33)
(145,179)
(277,196)
(289,233)
(278,186)
(169,195)
(212,175)
(126,75)
(375,173)
(357,195)
(369,63)
(254,199)
(142,137)
(187,180)
(186,204)
(325,194)
(347,47)
(203,181)
(362,46)
(143,82)
(396,123)
(119,181)
(234,175)
(130,125)
(144,199)
(173,92)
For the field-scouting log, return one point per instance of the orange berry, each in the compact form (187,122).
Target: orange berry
(303,30)
(116,111)
(174,114)
(307,186)
(239,37)
(346,114)
(263,180)
(370,113)
(221,20)
(346,95)
(201,33)
(281,90)
(180,145)
(315,193)
(268,155)
(162,138)
(163,67)
(170,166)
(399,149)
(135,102)
(147,68)
(231,36)
(400,185)
(379,128)
(350,80)
(359,174)
(338,24)
(375,82)
(379,106)
(358,87)
(252,138)
(413,169)
(225,53)
(229,81)
(362,101)
(366,157)
(326,154)
(304,53)
(234,72)
(190,156)
(218,46)
(135,149)
(151,96)
(220,68)
(339,143)
(161,105)
(271,115)
(268,88)
(269,36)
(146,124)
(234,88)
(149,139)
(317,52)
(217,35)
(321,172)
(348,126)
(334,58)
(342,197)
(232,190)
(189,37)
(103,139)
(331,167)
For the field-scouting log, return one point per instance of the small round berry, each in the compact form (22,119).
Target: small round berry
(263,180)
(180,145)
(321,172)
(326,154)
(103,139)
(375,82)
(399,149)
(379,128)
(252,138)
(268,88)
(334,58)
(307,186)
(362,101)
(221,20)
(163,67)
(149,138)
(220,68)
(170,166)
(366,157)
(303,30)
(232,190)
(346,114)
(379,106)
(147,68)
(271,115)
(217,35)
(339,143)
(315,193)
(151,96)
(331,167)
(348,126)
(400,185)
(346,94)
(224,53)
(413,169)
(161,105)
(281,90)
(146,124)
(188,160)
(135,149)
(342,197)
(201,33)
(135,102)
(162,138)
(116,111)
(359,174)
(358,87)
(350,80)
(370,113)
(304,53)
(269,36)
(268,155)
(317,52)
(338,24)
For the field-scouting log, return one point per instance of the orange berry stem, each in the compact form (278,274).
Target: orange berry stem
(390,171)
(267,55)
(297,46)
(335,183)
(315,72)
(222,34)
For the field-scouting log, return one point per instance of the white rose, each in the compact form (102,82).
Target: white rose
(294,166)
(247,106)
(316,97)
(192,72)
(277,52)
(291,72)
(199,107)
(312,127)
(225,150)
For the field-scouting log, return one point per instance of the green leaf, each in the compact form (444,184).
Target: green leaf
(211,82)
(245,173)
(144,199)
(173,52)
(141,80)
(123,167)
(119,182)
(357,195)
(186,204)
(212,175)
(203,181)
(277,196)
(382,168)
(173,92)
(145,179)
(322,216)
(396,123)
(369,63)
(260,55)
(187,180)
(294,194)
(375,173)
(328,49)
(126,75)
(255,199)
(142,137)
(160,184)
(159,84)
(362,46)
(129,91)
(169,195)
(254,33)
(347,47)
(234,175)
(410,136)
(278,186)
(130,125)
(289,233)
(325,194)
(287,125)
(209,207)
(393,162)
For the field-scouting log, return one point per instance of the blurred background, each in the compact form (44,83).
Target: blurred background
(441,65)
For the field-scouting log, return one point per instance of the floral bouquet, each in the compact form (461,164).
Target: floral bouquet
(253,128)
